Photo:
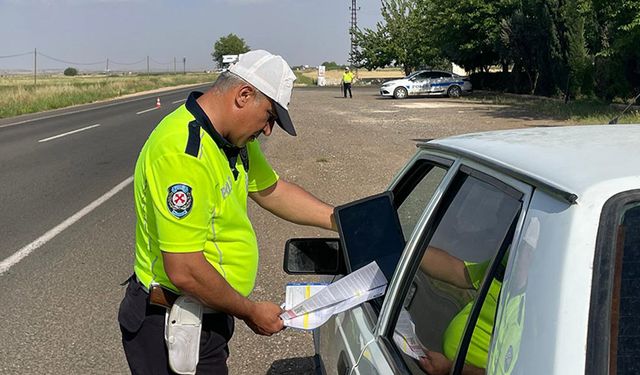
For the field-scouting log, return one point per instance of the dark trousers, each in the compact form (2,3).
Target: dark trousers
(142,327)
(347,86)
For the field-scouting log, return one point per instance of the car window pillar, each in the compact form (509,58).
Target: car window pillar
(414,245)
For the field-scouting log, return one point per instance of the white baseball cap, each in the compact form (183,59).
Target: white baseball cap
(273,77)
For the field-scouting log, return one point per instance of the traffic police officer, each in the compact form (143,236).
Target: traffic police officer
(193,235)
(347,78)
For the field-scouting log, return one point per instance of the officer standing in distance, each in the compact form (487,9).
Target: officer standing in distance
(347,79)
(193,235)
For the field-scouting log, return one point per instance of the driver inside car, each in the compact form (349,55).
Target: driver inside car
(441,265)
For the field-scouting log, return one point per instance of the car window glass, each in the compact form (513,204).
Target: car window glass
(472,224)
(422,183)
(625,350)
(421,76)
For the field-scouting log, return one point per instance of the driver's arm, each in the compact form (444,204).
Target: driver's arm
(441,265)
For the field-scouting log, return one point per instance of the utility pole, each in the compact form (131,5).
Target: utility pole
(174,65)
(184,65)
(35,64)
(354,25)
(107,71)
(147,64)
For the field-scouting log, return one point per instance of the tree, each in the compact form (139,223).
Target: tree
(466,31)
(399,40)
(71,72)
(331,65)
(615,41)
(228,45)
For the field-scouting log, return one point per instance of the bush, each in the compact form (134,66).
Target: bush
(304,80)
(513,82)
(70,72)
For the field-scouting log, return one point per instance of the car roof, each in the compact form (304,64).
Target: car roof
(431,70)
(572,159)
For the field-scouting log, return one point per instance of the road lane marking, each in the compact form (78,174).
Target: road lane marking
(147,110)
(67,133)
(179,101)
(25,251)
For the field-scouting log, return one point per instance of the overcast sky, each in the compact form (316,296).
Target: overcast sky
(126,31)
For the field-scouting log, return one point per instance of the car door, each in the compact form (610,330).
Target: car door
(474,218)
(419,84)
(342,339)
(440,82)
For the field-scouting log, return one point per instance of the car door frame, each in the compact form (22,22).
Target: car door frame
(363,318)
(379,344)
(605,293)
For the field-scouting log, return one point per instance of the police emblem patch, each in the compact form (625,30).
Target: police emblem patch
(179,200)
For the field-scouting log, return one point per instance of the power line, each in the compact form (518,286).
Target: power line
(107,62)
(160,63)
(133,63)
(16,55)
(70,62)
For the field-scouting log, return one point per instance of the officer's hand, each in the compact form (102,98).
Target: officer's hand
(264,318)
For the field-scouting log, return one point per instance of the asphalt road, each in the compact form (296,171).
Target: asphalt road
(62,258)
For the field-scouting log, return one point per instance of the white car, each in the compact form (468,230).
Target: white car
(427,82)
(547,222)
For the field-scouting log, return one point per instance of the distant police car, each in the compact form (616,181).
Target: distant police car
(427,82)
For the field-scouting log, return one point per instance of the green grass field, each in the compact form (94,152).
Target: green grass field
(18,95)
(581,111)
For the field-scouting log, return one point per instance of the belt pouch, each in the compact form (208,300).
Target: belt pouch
(183,326)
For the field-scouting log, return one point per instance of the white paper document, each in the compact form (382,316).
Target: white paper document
(405,336)
(310,307)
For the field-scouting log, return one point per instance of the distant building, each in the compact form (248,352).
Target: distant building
(228,60)
(457,69)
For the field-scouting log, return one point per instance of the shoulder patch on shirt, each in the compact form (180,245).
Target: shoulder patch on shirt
(179,200)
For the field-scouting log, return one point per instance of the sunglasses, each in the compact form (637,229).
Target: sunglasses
(273,117)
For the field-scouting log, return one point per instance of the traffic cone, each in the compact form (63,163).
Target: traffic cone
(158,103)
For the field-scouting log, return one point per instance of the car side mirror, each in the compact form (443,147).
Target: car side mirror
(314,256)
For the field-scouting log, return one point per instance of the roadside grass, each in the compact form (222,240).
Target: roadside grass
(19,96)
(303,80)
(581,111)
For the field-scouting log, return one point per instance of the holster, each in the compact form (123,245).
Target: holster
(183,326)
(161,296)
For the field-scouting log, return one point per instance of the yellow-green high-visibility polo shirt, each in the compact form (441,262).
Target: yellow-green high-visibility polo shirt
(191,188)
(481,338)
(347,77)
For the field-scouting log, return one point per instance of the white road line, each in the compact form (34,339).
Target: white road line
(67,133)
(22,253)
(179,101)
(147,110)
